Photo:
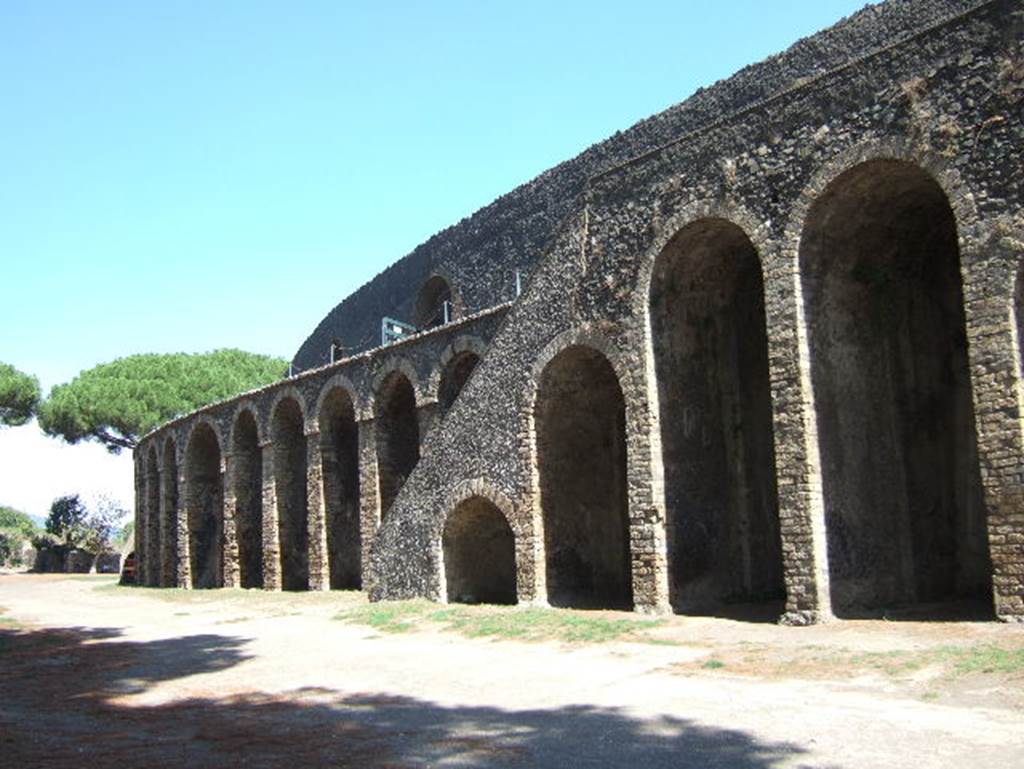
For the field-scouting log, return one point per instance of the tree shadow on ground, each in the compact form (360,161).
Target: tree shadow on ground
(63,705)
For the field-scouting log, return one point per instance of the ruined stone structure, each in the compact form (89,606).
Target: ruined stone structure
(767,348)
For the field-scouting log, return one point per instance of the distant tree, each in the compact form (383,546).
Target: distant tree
(19,396)
(16,530)
(116,403)
(67,519)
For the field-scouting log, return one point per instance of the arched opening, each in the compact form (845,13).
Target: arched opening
(398,437)
(454,377)
(247,461)
(152,550)
(880,270)
(205,505)
(479,554)
(169,524)
(339,450)
(289,441)
(580,418)
(711,359)
(434,303)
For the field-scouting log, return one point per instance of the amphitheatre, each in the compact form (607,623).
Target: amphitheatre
(761,348)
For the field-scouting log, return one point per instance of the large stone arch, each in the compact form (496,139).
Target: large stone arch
(204,504)
(579,428)
(288,438)
(339,454)
(396,429)
(880,287)
(433,292)
(247,482)
(708,340)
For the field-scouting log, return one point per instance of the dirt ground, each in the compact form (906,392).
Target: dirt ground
(97,676)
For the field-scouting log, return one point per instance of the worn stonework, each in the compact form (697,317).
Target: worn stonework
(767,350)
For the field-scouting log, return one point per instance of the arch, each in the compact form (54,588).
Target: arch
(339,451)
(479,551)
(454,376)
(204,505)
(288,437)
(710,345)
(169,522)
(247,480)
(880,278)
(580,426)
(152,570)
(343,382)
(430,310)
(397,436)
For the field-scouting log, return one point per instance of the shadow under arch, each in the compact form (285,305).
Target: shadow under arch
(880,277)
(710,346)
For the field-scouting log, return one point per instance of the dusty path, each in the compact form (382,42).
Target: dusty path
(93,676)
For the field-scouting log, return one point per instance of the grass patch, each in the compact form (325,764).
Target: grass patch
(712,664)
(521,624)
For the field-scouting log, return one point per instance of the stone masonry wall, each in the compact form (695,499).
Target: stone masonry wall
(917,100)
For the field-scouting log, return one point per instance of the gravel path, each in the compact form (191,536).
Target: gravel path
(97,677)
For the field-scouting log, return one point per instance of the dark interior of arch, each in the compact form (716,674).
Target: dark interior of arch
(581,454)
(289,441)
(903,501)
(339,450)
(247,460)
(169,525)
(454,377)
(398,437)
(152,548)
(711,359)
(430,302)
(479,554)
(205,503)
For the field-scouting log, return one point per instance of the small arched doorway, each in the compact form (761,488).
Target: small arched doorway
(479,554)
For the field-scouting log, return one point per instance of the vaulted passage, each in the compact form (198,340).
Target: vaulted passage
(711,359)
(454,377)
(169,524)
(289,440)
(398,437)
(580,420)
(247,460)
(205,506)
(433,302)
(339,450)
(152,571)
(479,554)
(880,271)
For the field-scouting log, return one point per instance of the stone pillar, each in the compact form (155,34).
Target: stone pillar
(992,273)
(647,545)
(184,570)
(152,528)
(169,515)
(319,564)
(369,502)
(229,552)
(797,465)
(271,540)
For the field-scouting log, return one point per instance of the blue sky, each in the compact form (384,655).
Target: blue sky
(193,175)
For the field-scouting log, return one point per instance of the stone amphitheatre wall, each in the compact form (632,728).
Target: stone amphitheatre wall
(768,353)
